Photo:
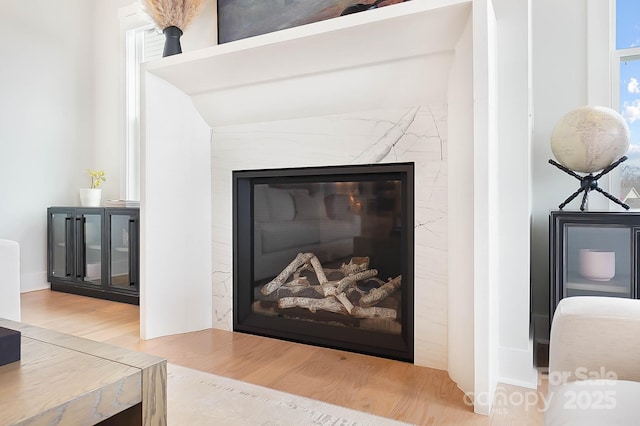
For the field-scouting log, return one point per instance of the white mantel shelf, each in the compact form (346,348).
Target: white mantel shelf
(232,83)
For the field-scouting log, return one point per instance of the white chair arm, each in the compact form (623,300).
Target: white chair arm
(9,280)
(595,336)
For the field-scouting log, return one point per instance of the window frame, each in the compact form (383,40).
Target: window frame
(133,24)
(617,56)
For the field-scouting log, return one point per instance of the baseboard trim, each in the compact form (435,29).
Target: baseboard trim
(33,281)
(100,294)
(516,367)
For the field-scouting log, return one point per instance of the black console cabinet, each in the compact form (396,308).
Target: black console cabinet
(593,254)
(94,251)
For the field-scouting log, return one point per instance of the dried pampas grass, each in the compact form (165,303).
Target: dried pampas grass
(177,13)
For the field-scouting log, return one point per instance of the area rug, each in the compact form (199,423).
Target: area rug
(199,398)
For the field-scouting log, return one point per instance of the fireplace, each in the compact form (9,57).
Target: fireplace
(324,256)
(210,112)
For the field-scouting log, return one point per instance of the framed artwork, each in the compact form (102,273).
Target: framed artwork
(238,19)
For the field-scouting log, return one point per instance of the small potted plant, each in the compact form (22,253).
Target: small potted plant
(90,197)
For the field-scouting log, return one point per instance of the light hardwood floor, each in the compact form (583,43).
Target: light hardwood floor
(388,388)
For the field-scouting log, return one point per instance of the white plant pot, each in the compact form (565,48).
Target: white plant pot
(597,265)
(90,197)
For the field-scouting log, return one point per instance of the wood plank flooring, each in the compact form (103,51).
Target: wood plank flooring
(388,388)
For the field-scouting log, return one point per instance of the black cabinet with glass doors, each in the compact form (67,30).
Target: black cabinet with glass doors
(94,251)
(593,254)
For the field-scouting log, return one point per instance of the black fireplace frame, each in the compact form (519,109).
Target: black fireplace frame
(393,346)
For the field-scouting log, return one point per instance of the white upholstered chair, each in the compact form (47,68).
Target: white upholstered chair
(594,362)
(9,280)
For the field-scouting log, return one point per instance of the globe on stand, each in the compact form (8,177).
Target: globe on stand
(586,140)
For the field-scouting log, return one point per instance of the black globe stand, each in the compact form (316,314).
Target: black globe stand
(589,183)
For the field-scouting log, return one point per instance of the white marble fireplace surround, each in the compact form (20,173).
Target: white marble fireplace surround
(412,82)
(414,134)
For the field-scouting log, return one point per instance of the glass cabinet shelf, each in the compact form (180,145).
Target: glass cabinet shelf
(597,287)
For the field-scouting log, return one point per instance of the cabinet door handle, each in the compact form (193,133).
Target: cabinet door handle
(68,246)
(133,248)
(80,248)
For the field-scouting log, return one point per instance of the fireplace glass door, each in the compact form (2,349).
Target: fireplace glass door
(324,256)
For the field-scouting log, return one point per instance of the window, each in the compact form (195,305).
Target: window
(626,92)
(142,44)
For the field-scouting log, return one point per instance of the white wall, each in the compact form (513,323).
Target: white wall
(561,58)
(563,76)
(486,196)
(500,338)
(61,111)
(175,214)
(460,309)
(46,112)
(514,159)
(108,108)
(559,85)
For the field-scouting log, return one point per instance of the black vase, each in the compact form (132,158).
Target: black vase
(172,41)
